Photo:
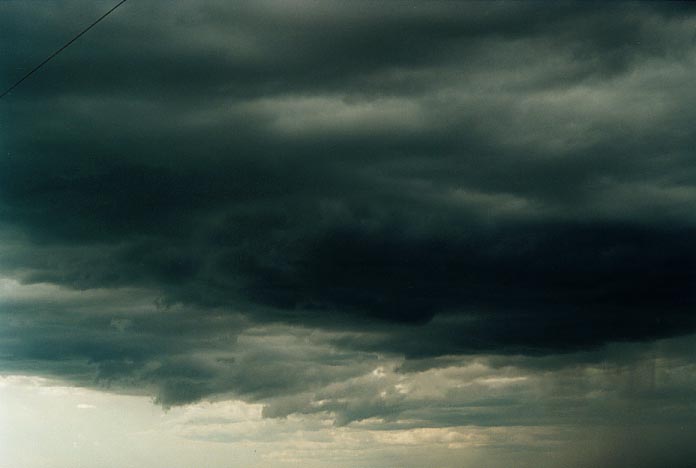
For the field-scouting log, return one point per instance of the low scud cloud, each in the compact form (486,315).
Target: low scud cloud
(461,224)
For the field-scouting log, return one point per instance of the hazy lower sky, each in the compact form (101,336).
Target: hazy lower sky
(348,234)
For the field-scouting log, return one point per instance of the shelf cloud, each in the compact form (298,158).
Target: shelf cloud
(400,216)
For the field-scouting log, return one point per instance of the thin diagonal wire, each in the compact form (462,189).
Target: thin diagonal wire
(65,46)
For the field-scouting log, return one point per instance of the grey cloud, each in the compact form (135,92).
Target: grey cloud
(181,354)
(431,180)
(319,197)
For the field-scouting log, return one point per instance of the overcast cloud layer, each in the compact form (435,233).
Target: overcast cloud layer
(392,216)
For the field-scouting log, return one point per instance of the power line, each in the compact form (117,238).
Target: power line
(65,46)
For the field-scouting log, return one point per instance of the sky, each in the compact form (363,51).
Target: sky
(351,234)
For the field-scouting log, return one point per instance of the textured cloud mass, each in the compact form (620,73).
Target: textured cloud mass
(396,216)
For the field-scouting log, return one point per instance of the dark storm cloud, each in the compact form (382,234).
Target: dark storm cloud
(120,340)
(429,178)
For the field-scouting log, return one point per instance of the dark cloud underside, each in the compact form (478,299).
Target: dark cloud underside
(422,179)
